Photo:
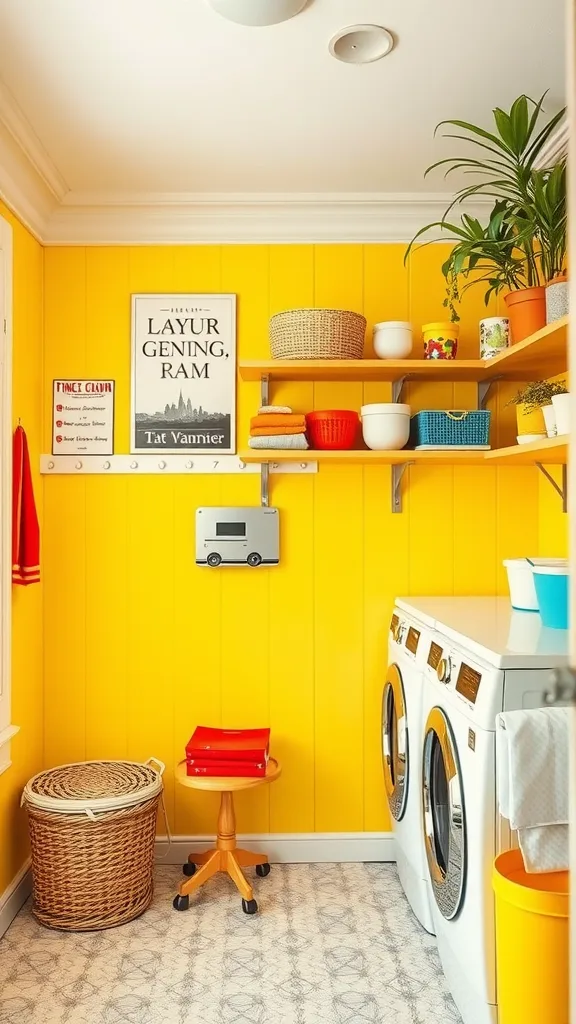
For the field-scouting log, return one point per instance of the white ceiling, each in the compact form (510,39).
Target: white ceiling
(164,97)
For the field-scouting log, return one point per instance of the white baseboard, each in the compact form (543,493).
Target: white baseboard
(14,897)
(292,847)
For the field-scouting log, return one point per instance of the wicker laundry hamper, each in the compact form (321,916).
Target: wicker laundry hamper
(317,334)
(92,830)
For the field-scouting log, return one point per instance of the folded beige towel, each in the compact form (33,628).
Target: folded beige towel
(264,410)
(295,441)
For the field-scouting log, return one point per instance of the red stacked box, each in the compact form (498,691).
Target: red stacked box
(228,752)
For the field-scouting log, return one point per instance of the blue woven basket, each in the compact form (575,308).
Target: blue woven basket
(456,427)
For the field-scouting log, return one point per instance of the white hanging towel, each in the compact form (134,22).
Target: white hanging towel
(532,768)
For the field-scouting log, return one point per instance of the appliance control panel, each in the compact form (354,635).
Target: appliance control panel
(412,640)
(454,672)
(237,536)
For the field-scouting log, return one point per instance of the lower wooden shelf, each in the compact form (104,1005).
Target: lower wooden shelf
(364,456)
(553,451)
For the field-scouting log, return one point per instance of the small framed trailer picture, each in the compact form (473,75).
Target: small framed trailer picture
(183,374)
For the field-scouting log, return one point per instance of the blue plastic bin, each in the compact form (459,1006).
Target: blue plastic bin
(551,582)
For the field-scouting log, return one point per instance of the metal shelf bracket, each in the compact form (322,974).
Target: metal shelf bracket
(265,484)
(562,490)
(398,470)
(397,386)
(264,389)
(484,390)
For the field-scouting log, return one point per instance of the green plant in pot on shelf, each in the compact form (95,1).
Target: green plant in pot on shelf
(530,404)
(522,245)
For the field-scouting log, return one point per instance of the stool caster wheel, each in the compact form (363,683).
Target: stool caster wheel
(181,902)
(189,869)
(262,870)
(249,906)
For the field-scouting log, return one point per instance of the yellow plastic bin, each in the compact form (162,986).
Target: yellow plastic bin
(531,943)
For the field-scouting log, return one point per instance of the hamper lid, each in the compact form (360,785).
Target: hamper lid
(94,786)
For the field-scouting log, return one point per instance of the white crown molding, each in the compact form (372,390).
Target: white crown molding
(12,118)
(34,189)
(158,218)
(21,187)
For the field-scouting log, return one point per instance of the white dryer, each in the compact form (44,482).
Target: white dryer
(472,674)
(401,750)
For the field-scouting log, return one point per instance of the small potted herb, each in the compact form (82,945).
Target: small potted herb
(535,409)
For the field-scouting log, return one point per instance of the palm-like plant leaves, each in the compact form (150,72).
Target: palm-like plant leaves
(524,242)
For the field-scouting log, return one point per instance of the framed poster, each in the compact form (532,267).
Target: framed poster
(83,417)
(183,373)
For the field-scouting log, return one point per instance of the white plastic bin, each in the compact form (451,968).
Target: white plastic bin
(521,584)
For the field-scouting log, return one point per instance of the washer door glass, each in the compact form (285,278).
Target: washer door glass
(443,811)
(395,743)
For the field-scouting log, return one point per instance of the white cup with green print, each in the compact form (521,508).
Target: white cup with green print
(494,336)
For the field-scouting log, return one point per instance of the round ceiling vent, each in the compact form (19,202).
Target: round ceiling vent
(258,12)
(361,44)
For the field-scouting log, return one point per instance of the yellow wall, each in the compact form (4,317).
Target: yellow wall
(27,683)
(141,645)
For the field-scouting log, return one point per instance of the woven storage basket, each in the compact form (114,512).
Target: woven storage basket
(92,830)
(457,427)
(317,334)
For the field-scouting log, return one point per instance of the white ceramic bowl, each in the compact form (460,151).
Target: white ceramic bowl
(527,438)
(392,339)
(385,426)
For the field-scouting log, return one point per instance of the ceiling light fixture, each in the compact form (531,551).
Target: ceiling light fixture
(258,12)
(361,44)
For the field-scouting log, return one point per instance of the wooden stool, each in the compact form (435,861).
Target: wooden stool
(226,856)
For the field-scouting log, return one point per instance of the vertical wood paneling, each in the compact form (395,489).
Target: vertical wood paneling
(142,645)
(339,596)
(291,621)
(245,592)
(64,547)
(107,327)
(196,638)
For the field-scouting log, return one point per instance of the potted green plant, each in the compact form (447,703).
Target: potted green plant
(535,413)
(522,247)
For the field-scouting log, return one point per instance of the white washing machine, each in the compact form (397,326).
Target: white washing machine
(401,750)
(481,660)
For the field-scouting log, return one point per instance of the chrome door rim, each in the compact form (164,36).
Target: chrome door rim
(447,883)
(395,756)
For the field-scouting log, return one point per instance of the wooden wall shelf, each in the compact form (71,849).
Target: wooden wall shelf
(542,354)
(552,451)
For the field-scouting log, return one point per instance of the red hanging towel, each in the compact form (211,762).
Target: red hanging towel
(25,529)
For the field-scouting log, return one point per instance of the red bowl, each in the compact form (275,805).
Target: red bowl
(332,429)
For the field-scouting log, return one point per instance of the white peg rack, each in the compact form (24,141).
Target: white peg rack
(182,465)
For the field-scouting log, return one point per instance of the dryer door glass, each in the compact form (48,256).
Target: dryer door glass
(443,814)
(395,743)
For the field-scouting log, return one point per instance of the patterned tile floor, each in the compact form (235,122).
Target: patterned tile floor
(332,944)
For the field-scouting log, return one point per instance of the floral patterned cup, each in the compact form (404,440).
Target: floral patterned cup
(494,336)
(440,340)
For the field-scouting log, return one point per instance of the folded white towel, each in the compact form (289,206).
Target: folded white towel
(532,772)
(295,441)
(274,409)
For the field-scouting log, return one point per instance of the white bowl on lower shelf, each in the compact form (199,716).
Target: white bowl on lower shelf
(385,426)
(529,438)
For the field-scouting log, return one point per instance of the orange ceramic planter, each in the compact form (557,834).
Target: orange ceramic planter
(527,312)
